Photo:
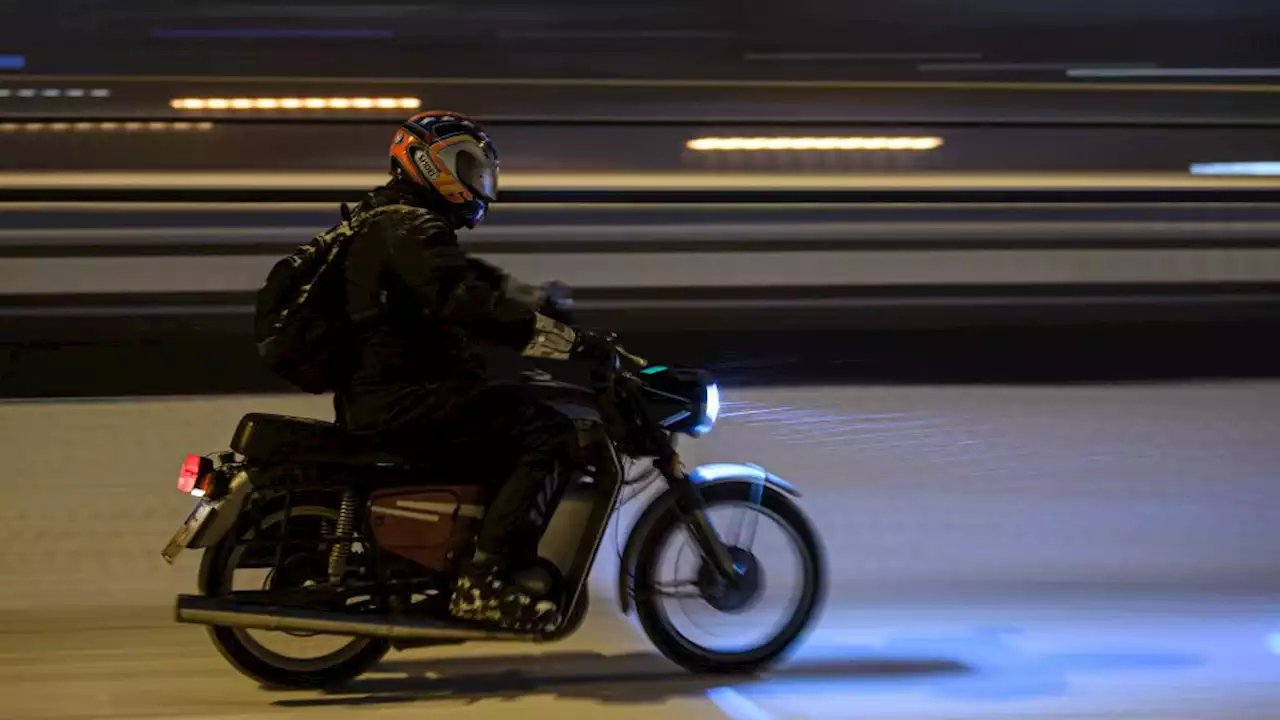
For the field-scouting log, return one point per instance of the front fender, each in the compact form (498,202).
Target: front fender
(702,476)
(730,472)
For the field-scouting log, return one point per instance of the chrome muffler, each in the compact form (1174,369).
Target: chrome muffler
(203,610)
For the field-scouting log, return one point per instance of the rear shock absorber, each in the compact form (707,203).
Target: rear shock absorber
(342,538)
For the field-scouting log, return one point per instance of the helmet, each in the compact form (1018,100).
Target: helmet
(452,158)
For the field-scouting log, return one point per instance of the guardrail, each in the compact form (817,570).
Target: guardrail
(775,195)
(748,121)
(158,298)
(656,188)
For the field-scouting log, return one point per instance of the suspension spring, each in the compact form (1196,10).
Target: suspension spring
(342,538)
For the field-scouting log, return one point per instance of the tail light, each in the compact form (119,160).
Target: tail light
(197,476)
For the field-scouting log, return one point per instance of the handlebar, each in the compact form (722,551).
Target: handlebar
(636,361)
(618,365)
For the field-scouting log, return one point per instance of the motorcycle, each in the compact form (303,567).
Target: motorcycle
(363,545)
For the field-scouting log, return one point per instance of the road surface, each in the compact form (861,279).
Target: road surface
(1104,551)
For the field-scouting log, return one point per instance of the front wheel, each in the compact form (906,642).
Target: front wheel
(668,591)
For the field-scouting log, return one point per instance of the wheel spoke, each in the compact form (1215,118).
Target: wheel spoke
(288,651)
(679,591)
(675,584)
(730,624)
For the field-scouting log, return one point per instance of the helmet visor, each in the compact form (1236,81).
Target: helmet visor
(480,175)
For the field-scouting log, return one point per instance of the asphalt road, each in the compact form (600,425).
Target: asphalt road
(1109,660)
(1040,552)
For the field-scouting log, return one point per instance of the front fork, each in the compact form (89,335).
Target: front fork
(693,509)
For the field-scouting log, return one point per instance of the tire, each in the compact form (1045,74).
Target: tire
(267,667)
(683,652)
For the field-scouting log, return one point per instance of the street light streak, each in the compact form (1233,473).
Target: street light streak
(295,103)
(731,144)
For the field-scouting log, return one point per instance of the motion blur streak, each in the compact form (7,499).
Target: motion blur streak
(602,181)
(808,426)
(603,82)
(1239,168)
(295,103)
(815,143)
(272,34)
(49,92)
(1173,72)
(127,126)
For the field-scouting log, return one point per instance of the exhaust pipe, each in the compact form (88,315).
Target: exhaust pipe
(202,610)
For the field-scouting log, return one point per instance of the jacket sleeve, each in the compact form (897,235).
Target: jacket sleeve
(451,287)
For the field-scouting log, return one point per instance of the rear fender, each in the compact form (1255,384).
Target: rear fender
(251,506)
(702,476)
(226,510)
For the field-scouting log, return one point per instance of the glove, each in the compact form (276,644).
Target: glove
(557,302)
(557,293)
(551,339)
(530,296)
(553,299)
(557,341)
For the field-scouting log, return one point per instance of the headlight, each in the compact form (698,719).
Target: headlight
(681,400)
(710,409)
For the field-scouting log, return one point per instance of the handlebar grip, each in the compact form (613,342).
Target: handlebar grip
(635,359)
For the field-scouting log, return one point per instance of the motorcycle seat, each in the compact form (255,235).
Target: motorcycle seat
(287,439)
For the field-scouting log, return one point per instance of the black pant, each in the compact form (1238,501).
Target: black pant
(500,435)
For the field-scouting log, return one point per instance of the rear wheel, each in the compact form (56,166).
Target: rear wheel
(669,592)
(281,659)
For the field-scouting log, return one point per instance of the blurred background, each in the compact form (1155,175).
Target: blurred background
(995,282)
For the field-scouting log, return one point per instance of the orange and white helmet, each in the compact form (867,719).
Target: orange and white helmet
(452,157)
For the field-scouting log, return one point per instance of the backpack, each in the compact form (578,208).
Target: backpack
(300,317)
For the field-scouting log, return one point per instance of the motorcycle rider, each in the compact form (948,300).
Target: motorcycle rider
(420,305)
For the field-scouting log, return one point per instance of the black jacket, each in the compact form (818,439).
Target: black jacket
(421,305)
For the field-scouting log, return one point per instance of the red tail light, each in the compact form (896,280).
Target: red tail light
(196,475)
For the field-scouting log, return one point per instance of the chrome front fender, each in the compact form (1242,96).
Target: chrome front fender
(702,476)
(739,472)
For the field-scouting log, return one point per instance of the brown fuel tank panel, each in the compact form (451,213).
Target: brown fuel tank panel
(429,525)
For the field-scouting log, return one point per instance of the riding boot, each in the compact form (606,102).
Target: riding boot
(484,593)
